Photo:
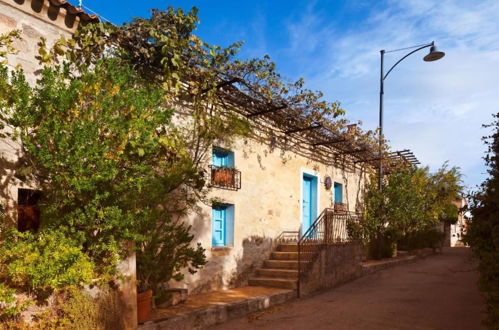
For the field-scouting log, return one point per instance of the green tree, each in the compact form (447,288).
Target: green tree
(412,200)
(483,233)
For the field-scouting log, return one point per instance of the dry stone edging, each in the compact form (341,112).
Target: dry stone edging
(207,316)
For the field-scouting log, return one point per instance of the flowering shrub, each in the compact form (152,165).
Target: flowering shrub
(43,263)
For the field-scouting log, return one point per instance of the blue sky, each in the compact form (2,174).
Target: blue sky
(435,109)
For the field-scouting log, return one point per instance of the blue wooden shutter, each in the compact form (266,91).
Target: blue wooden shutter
(222,158)
(219,226)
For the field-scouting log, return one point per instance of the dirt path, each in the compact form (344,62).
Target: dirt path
(438,292)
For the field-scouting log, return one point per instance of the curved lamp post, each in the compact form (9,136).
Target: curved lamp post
(433,55)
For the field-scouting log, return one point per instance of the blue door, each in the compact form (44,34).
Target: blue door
(219,226)
(309,201)
(338,193)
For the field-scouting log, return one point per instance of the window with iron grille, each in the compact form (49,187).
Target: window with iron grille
(223,172)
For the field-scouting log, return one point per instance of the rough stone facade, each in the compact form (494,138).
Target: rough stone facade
(34,20)
(335,265)
(268,203)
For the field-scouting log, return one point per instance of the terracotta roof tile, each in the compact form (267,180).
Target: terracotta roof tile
(84,17)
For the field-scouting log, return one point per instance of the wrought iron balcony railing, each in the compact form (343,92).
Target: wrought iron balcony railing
(225,177)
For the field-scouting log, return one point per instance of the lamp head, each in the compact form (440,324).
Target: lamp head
(434,54)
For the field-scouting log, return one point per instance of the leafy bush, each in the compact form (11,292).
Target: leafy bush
(429,238)
(44,262)
(10,306)
(166,253)
(72,308)
(483,232)
(382,247)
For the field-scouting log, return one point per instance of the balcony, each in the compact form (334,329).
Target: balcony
(225,178)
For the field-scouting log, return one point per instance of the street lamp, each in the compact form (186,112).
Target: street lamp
(433,55)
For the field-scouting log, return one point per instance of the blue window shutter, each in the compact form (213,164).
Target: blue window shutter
(218,158)
(230,159)
(222,158)
(229,229)
(222,225)
(219,226)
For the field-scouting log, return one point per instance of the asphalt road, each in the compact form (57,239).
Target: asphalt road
(438,292)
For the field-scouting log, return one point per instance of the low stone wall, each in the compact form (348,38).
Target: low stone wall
(335,265)
(341,263)
(204,317)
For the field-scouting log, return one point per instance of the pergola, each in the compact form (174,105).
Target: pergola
(289,123)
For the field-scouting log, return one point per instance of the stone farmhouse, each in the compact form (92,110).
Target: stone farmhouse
(301,183)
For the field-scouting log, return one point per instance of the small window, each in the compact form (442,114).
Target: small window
(28,213)
(222,225)
(223,172)
(222,158)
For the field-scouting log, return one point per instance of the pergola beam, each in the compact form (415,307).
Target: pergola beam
(400,151)
(352,151)
(331,142)
(309,128)
(266,111)
(221,85)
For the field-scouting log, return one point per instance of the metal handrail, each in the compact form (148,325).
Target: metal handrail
(330,227)
(288,233)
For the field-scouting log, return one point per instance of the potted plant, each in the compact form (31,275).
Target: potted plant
(144,304)
(223,176)
(163,253)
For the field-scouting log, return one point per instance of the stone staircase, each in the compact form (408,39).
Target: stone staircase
(281,270)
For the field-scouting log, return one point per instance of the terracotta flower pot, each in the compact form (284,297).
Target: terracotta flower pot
(223,176)
(144,305)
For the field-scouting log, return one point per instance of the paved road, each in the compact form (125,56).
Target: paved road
(438,292)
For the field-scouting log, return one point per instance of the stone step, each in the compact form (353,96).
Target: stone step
(277,255)
(273,282)
(278,273)
(282,264)
(294,247)
(287,247)
(284,255)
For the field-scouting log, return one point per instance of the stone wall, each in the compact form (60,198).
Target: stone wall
(268,203)
(335,265)
(34,20)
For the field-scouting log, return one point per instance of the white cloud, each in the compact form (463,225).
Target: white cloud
(436,109)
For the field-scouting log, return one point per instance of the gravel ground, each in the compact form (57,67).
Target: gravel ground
(438,292)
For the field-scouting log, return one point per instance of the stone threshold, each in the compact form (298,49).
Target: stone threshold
(204,310)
